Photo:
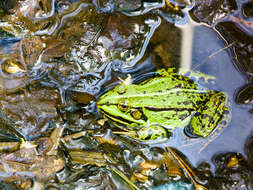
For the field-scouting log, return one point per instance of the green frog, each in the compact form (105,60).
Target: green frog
(155,107)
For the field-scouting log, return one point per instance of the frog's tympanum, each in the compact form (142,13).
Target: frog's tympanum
(155,107)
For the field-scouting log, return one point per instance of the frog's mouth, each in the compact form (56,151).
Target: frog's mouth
(119,118)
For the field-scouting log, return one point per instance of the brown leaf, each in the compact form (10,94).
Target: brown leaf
(88,158)
(31,112)
(56,48)
(211,11)
(32,47)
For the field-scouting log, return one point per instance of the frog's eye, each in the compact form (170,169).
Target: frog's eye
(137,114)
(123,106)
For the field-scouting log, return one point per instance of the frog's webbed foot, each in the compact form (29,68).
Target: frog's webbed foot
(202,142)
(198,77)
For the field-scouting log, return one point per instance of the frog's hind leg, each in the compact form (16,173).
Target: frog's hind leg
(210,114)
(219,129)
(210,118)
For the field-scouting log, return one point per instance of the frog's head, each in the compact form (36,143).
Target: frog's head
(115,105)
(122,109)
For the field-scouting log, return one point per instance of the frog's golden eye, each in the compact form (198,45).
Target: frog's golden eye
(137,114)
(123,106)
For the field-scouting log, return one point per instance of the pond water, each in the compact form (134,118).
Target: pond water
(210,55)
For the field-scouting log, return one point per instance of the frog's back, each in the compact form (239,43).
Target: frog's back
(171,81)
(170,92)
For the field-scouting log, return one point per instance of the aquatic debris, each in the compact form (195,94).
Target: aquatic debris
(29,160)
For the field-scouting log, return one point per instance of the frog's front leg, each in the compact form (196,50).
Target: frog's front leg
(152,132)
(211,116)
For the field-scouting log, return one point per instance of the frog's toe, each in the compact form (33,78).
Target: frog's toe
(188,130)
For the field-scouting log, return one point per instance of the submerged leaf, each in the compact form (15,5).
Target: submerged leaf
(87,158)
(211,11)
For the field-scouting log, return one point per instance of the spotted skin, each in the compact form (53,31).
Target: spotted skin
(163,103)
